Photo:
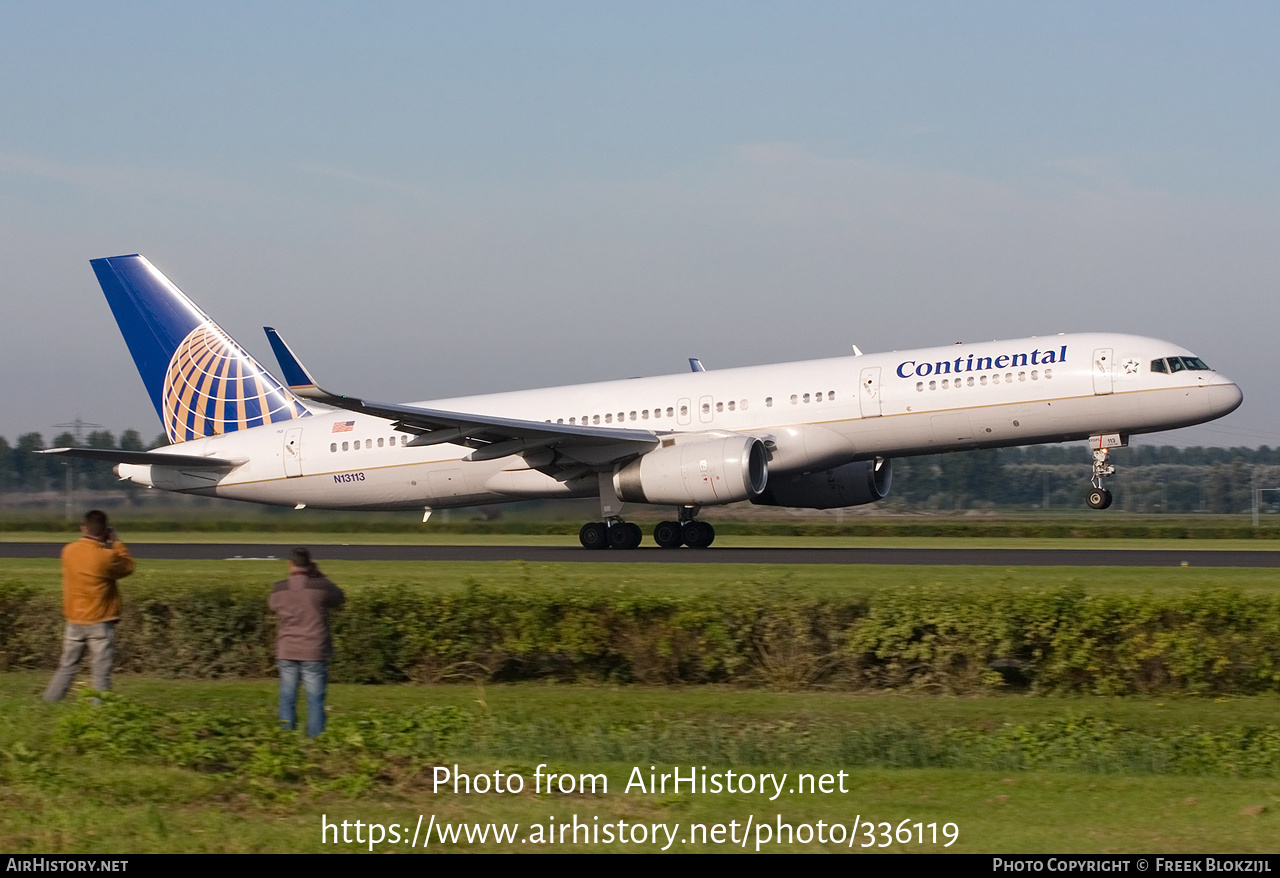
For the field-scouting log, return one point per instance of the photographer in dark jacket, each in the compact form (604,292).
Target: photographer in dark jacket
(303,645)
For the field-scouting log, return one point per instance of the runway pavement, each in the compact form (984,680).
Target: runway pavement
(713,555)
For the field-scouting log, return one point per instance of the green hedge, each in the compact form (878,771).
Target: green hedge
(922,639)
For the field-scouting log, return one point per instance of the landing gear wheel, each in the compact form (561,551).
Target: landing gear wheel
(1099,498)
(594,535)
(667,534)
(698,534)
(625,536)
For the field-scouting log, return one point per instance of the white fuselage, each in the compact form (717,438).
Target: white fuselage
(814,415)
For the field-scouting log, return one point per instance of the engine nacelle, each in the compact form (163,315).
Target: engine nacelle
(705,472)
(853,484)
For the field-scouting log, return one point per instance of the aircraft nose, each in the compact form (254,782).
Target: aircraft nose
(1224,396)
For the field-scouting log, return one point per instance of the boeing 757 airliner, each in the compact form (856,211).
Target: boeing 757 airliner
(818,434)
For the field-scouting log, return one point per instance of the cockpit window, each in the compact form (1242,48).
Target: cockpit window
(1177,364)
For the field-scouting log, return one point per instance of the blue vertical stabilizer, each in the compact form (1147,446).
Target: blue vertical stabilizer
(201,382)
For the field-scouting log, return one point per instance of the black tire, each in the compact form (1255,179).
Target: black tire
(698,534)
(624,536)
(594,535)
(1099,498)
(667,534)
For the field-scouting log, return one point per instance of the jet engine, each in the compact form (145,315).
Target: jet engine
(700,472)
(853,484)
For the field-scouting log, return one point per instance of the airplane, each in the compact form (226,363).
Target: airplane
(818,434)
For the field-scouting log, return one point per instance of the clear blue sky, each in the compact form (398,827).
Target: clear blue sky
(439,199)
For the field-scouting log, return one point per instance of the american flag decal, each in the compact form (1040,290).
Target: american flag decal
(344,426)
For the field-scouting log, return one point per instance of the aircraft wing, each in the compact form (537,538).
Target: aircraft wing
(491,437)
(147,458)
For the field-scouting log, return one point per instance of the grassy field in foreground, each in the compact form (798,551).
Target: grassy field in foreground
(110,798)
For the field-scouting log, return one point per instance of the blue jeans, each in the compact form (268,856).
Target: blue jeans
(315,679)
(100,640)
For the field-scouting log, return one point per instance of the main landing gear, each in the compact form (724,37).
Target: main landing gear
(618,534)
(613,534)
(1099,497)
(687,531)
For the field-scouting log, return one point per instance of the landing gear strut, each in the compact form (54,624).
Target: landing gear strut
(1099,497)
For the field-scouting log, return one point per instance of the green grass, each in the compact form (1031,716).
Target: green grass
(53,799)
(1015,774)
(356,576)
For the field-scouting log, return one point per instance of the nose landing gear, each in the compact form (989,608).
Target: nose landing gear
(1099,497)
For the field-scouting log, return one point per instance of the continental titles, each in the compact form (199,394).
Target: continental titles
(975,363)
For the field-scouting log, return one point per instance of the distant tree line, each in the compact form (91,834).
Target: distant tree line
(23,470)
(1148,479)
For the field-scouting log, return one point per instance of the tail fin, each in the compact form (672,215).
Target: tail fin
(201,382)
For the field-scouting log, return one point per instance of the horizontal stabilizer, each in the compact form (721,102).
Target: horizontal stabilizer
(147,458)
